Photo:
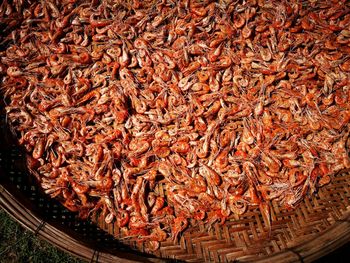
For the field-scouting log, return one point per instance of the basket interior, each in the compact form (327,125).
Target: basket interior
(248,237)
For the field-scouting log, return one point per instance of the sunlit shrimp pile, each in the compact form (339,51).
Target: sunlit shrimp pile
(163,114)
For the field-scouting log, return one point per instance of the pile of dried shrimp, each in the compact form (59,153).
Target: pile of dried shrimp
(163,114)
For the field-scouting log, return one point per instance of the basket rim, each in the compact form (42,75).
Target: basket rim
(305,252)
(317,247)
(57,237)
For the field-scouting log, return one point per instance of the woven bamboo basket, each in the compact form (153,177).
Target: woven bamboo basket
(319,225)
